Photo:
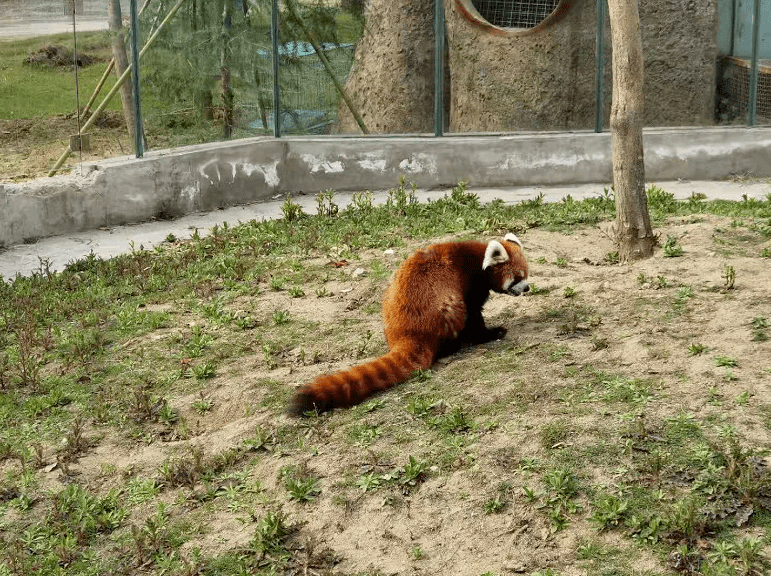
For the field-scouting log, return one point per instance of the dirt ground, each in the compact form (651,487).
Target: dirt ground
(32,147)
(626,320)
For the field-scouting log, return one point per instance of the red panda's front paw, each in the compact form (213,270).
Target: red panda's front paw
(496,333)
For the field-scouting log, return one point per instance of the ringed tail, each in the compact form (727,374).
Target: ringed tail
(352,386)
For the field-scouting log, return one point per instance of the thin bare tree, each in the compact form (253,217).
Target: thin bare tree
(634,235)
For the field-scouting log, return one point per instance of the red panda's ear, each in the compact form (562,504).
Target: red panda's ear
(512,238)
(494,254)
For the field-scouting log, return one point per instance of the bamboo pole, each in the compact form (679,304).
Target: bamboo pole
(106,74)
(115,88)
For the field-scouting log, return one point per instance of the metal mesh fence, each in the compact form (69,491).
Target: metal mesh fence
(738,71)
(515,13)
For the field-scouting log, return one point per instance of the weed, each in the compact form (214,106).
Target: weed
(413,472)
(725,361)
(729,277)
(455,422)
(759,325)
(672,248)
(296,292)
(569,292)
(280,317)
(202,404)
(204,371)
(609,510)
(612,258)
(696,349)
(361,346)
(291,210)
(304,489)
(554,434)
(497,503)
(368,482)
(561,262)
(325,207)
(364,434)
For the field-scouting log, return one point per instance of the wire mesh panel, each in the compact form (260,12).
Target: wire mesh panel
(515,13)
(318,40)
(738,72)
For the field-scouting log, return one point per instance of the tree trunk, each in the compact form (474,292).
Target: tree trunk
(634,235)
(121,63)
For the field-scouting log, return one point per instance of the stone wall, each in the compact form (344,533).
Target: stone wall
(541,81)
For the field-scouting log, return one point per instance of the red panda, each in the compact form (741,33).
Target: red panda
(432,306)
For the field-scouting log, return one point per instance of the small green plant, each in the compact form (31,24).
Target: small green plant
(270,540)
(759,325)
(416,553)
(696,349)
(765,253)
(413,472)
(167,414)
(291,210)
(742,399)
(277,283)
(672,247)
(612,257)
(325,207)
(725,361)
(301,489)
(204,371)
(361,346)
(729,277)
(203,404)
(569,292)
(561,262)
(296,292)
(280,317)
(498,502)
(609,510)
(553,434)
(368,482)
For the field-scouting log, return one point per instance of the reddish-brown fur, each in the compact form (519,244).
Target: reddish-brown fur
(432,306)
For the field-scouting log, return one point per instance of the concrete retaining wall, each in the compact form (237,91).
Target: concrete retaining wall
(170,183)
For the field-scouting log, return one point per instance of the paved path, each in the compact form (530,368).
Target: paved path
(17,29)
(59,250)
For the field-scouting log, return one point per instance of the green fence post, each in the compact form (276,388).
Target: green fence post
(752,105)
(276,91)
(438,67)
(599,79)
(138,130)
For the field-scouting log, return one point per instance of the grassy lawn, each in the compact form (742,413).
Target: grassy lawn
(621,427)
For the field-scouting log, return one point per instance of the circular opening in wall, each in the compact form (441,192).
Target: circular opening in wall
(514,16)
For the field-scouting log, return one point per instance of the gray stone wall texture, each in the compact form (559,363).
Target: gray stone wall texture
(541,81)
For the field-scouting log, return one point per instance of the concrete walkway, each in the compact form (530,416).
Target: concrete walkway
(18,29)
(56,252)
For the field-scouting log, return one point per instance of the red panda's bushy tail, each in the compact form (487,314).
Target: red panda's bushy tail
(352,386)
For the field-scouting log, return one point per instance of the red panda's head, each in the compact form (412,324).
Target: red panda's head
(506,266)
